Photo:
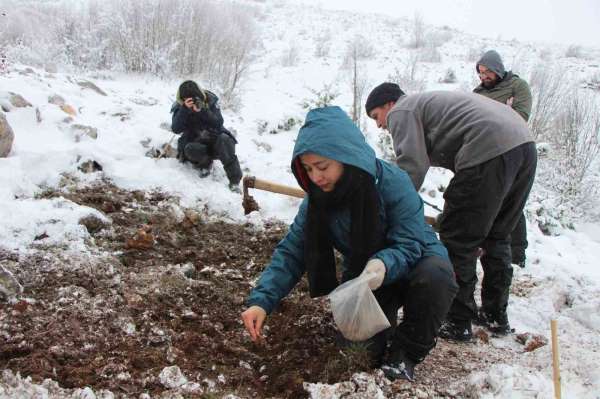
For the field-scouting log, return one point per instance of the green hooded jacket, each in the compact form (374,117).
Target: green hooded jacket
(509,85)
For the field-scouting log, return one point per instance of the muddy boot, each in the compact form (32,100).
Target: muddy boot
(456,331)
(235,188)
(399,366)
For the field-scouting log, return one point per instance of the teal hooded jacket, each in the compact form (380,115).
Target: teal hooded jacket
(330,133)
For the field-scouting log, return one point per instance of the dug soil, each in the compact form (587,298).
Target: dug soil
(163,286)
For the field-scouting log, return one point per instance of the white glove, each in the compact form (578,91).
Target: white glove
(375,268)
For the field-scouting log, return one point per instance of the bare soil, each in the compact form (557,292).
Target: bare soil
(160,289)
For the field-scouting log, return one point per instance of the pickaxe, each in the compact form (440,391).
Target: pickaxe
(250,204)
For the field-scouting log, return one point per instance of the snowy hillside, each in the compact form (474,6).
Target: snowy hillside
(92,161)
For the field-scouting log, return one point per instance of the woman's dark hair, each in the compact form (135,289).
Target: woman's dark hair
(189,89)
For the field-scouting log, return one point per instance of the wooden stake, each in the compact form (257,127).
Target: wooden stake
(555,359)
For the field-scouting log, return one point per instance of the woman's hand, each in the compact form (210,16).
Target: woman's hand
(253,318)
(189,102)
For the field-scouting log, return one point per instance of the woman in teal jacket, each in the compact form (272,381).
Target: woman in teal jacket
(370,212)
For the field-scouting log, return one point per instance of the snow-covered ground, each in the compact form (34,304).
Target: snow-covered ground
(561,280)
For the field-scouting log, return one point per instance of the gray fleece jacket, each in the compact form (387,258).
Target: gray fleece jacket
(452,130)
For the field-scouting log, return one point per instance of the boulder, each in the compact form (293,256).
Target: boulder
(84,130)
(68,109)
(56,100)
(6,137)
(89,85)
(18,101)
(10,287)
(90,166)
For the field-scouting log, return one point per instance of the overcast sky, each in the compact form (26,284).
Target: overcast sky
(553,21)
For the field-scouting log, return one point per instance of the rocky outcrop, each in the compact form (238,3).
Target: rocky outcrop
(6,136)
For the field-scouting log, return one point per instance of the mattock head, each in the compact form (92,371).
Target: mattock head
(248,202)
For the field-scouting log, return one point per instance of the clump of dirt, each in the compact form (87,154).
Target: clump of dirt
(114,318)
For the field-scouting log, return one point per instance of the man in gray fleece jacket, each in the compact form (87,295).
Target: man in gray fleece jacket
(492,154)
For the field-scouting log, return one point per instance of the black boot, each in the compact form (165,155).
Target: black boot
(455,330)
(399,366)
(497,324)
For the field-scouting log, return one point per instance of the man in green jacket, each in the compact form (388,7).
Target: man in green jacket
(507,88)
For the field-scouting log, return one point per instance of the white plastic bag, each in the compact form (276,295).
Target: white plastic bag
(356,311)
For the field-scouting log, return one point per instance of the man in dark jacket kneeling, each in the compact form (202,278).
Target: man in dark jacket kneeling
(196,114)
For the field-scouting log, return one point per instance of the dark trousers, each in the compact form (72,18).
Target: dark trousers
(518,240)
(220,146)
(483,206)
(425,295)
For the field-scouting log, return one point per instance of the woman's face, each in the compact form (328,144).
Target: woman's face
(324,172)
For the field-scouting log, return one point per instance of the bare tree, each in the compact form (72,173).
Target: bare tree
(418,31)
(357,51)
(548,86)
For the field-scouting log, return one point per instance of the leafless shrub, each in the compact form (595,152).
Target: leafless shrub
(475,53)
(449,77)
(546,54)
(548,86)
(162,37)
(290,56)
(576,133)
(593,82)
(418,31)
(574,51)
(408,77)
(438,38)
(429,53)
(323,44)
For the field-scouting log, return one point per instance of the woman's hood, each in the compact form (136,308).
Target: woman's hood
(330,133)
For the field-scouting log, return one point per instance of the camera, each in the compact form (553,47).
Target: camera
(199,102)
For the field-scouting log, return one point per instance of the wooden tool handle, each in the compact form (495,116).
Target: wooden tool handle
(555,359)
(277,188)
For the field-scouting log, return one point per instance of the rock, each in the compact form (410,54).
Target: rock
(93,223)
(192,217)
(164,151)
(18,101)
(51,67)
(68,109)
(172,377)
(146,142)
(530,341)
(90,166)
(83,130)
(10,287)
(6,137)
(265,147)
(89,85)
(56,100)
(165,126)
(143,239)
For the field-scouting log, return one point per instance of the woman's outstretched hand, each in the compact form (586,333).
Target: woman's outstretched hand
(253,318)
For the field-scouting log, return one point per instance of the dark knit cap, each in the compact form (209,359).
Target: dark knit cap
(383,94)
